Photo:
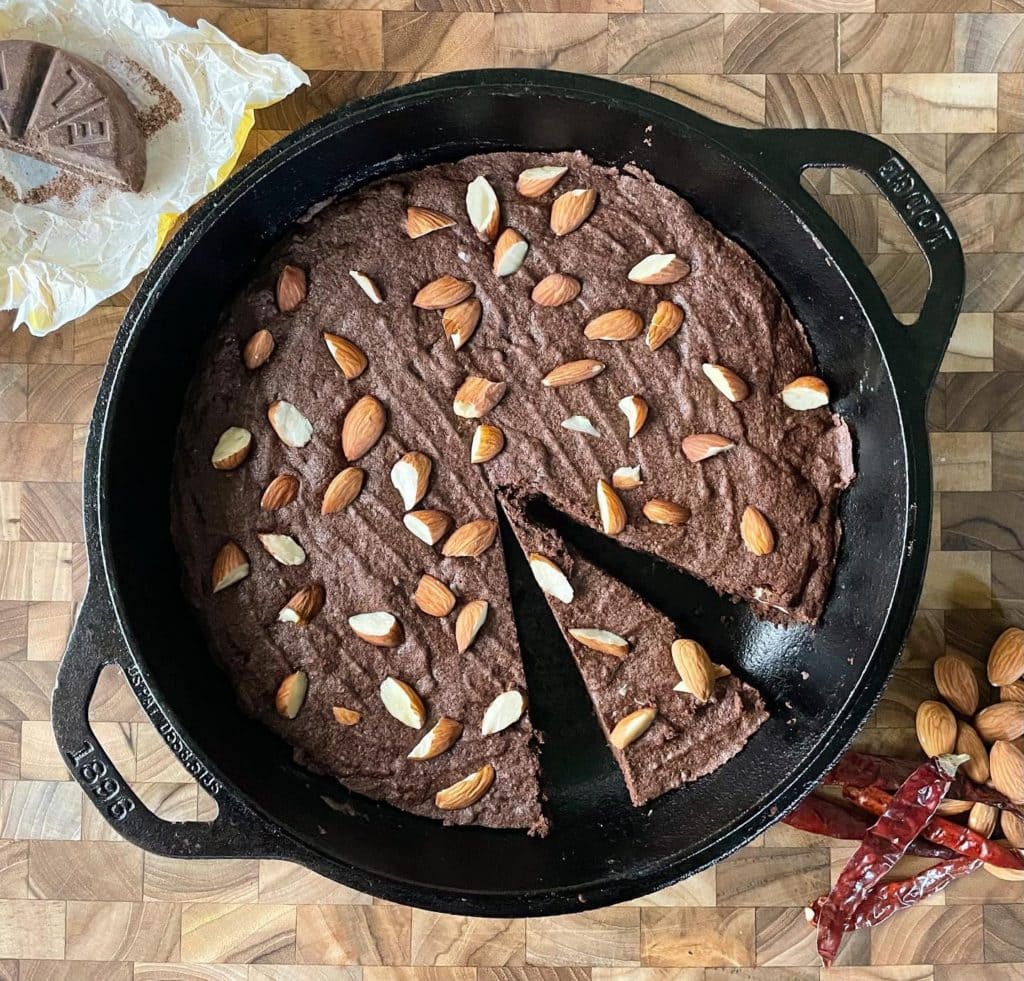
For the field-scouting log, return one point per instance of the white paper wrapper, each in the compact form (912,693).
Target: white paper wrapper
(59,259)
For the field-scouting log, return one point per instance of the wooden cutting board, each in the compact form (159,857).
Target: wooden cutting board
(947,89)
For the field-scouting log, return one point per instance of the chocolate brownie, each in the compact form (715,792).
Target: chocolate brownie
(608,340)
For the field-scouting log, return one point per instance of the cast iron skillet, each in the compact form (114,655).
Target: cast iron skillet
(601,850)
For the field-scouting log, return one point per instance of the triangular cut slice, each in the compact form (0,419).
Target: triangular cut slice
(661,736)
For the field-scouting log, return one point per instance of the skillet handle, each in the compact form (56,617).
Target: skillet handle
(96,641)
(787,153)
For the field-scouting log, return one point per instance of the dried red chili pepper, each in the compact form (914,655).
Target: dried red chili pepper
(830,818)
(890,897)
(908,811)
(960,839)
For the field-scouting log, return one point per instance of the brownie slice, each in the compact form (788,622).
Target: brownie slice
(688,737)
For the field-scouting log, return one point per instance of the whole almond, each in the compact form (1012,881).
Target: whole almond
(696,672)
(429,526)
(630,728)
(343,490)
(303,606)
(258,349)
(423,221)
(1012,827)
(346,355)
(572,209)
(488,442)
(1013,692)
(471,540)
(983,819)
(440,738)
(610,508)
(461,321)
(956,683)
(433,597)
(936,728)
(1001,720)
(664,325)
(291,288)
(1006,762)
(363,425)
(469,623)
(635,409)
(232,448)
(280,492)
(615,325)
(572,373)
(951,807)
(402,702)
(734,388)
(509,252)
(1006,659)
(603,641)
(662,512)
(969,743)
(345,716)
(806,393)
(535,181)
(466,791)
(291,693)
(755,531)
(231,565)
(556,290)
(703,446)
(477,396)
(443,292)
(659,269)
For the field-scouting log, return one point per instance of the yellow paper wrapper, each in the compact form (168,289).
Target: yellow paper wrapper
(60,258)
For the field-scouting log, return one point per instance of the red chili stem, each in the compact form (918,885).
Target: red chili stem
(960,839)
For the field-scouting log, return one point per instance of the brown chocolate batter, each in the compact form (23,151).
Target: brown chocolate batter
(791,465)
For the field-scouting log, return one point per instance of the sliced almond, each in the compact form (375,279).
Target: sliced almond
(696,672)
(428,526)
(603,641)
(580,424)
(703,446)
(506,710)
(615,325)
(379,628)
(983,819)
(303,606)
(535,181)
(662,512)
(291,693)
(968,743)
(367,285)
(402,702)
(626,478)
(283,549)
(410,476)
(665,323)
(659,269)
(467,791)
(610,508)
(1006,762)
(346,716)
(630,728)
(556,290)
(1001,720)
(755,531)
(423,221)
(433,597)
(230,566)
(471,540)
(343,490)
(572,209)
(482,208)
(956,683)
(734,388)
(805,393)
(550,577)
(232,448)
(469,623)
(1006,658)
(936,728)
(291,288)
(258,349)
(461,321)
(443,292)
(572,373)
(509,252)
(634,408)
(477,396)
(346,355)
(291,426)
(488,442)
(363,425)
(441,737)
(280,492)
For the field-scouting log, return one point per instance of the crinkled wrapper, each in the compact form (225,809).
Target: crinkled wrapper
(61,258)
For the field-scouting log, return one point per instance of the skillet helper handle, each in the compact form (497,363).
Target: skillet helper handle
(790,152)
(96,641)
